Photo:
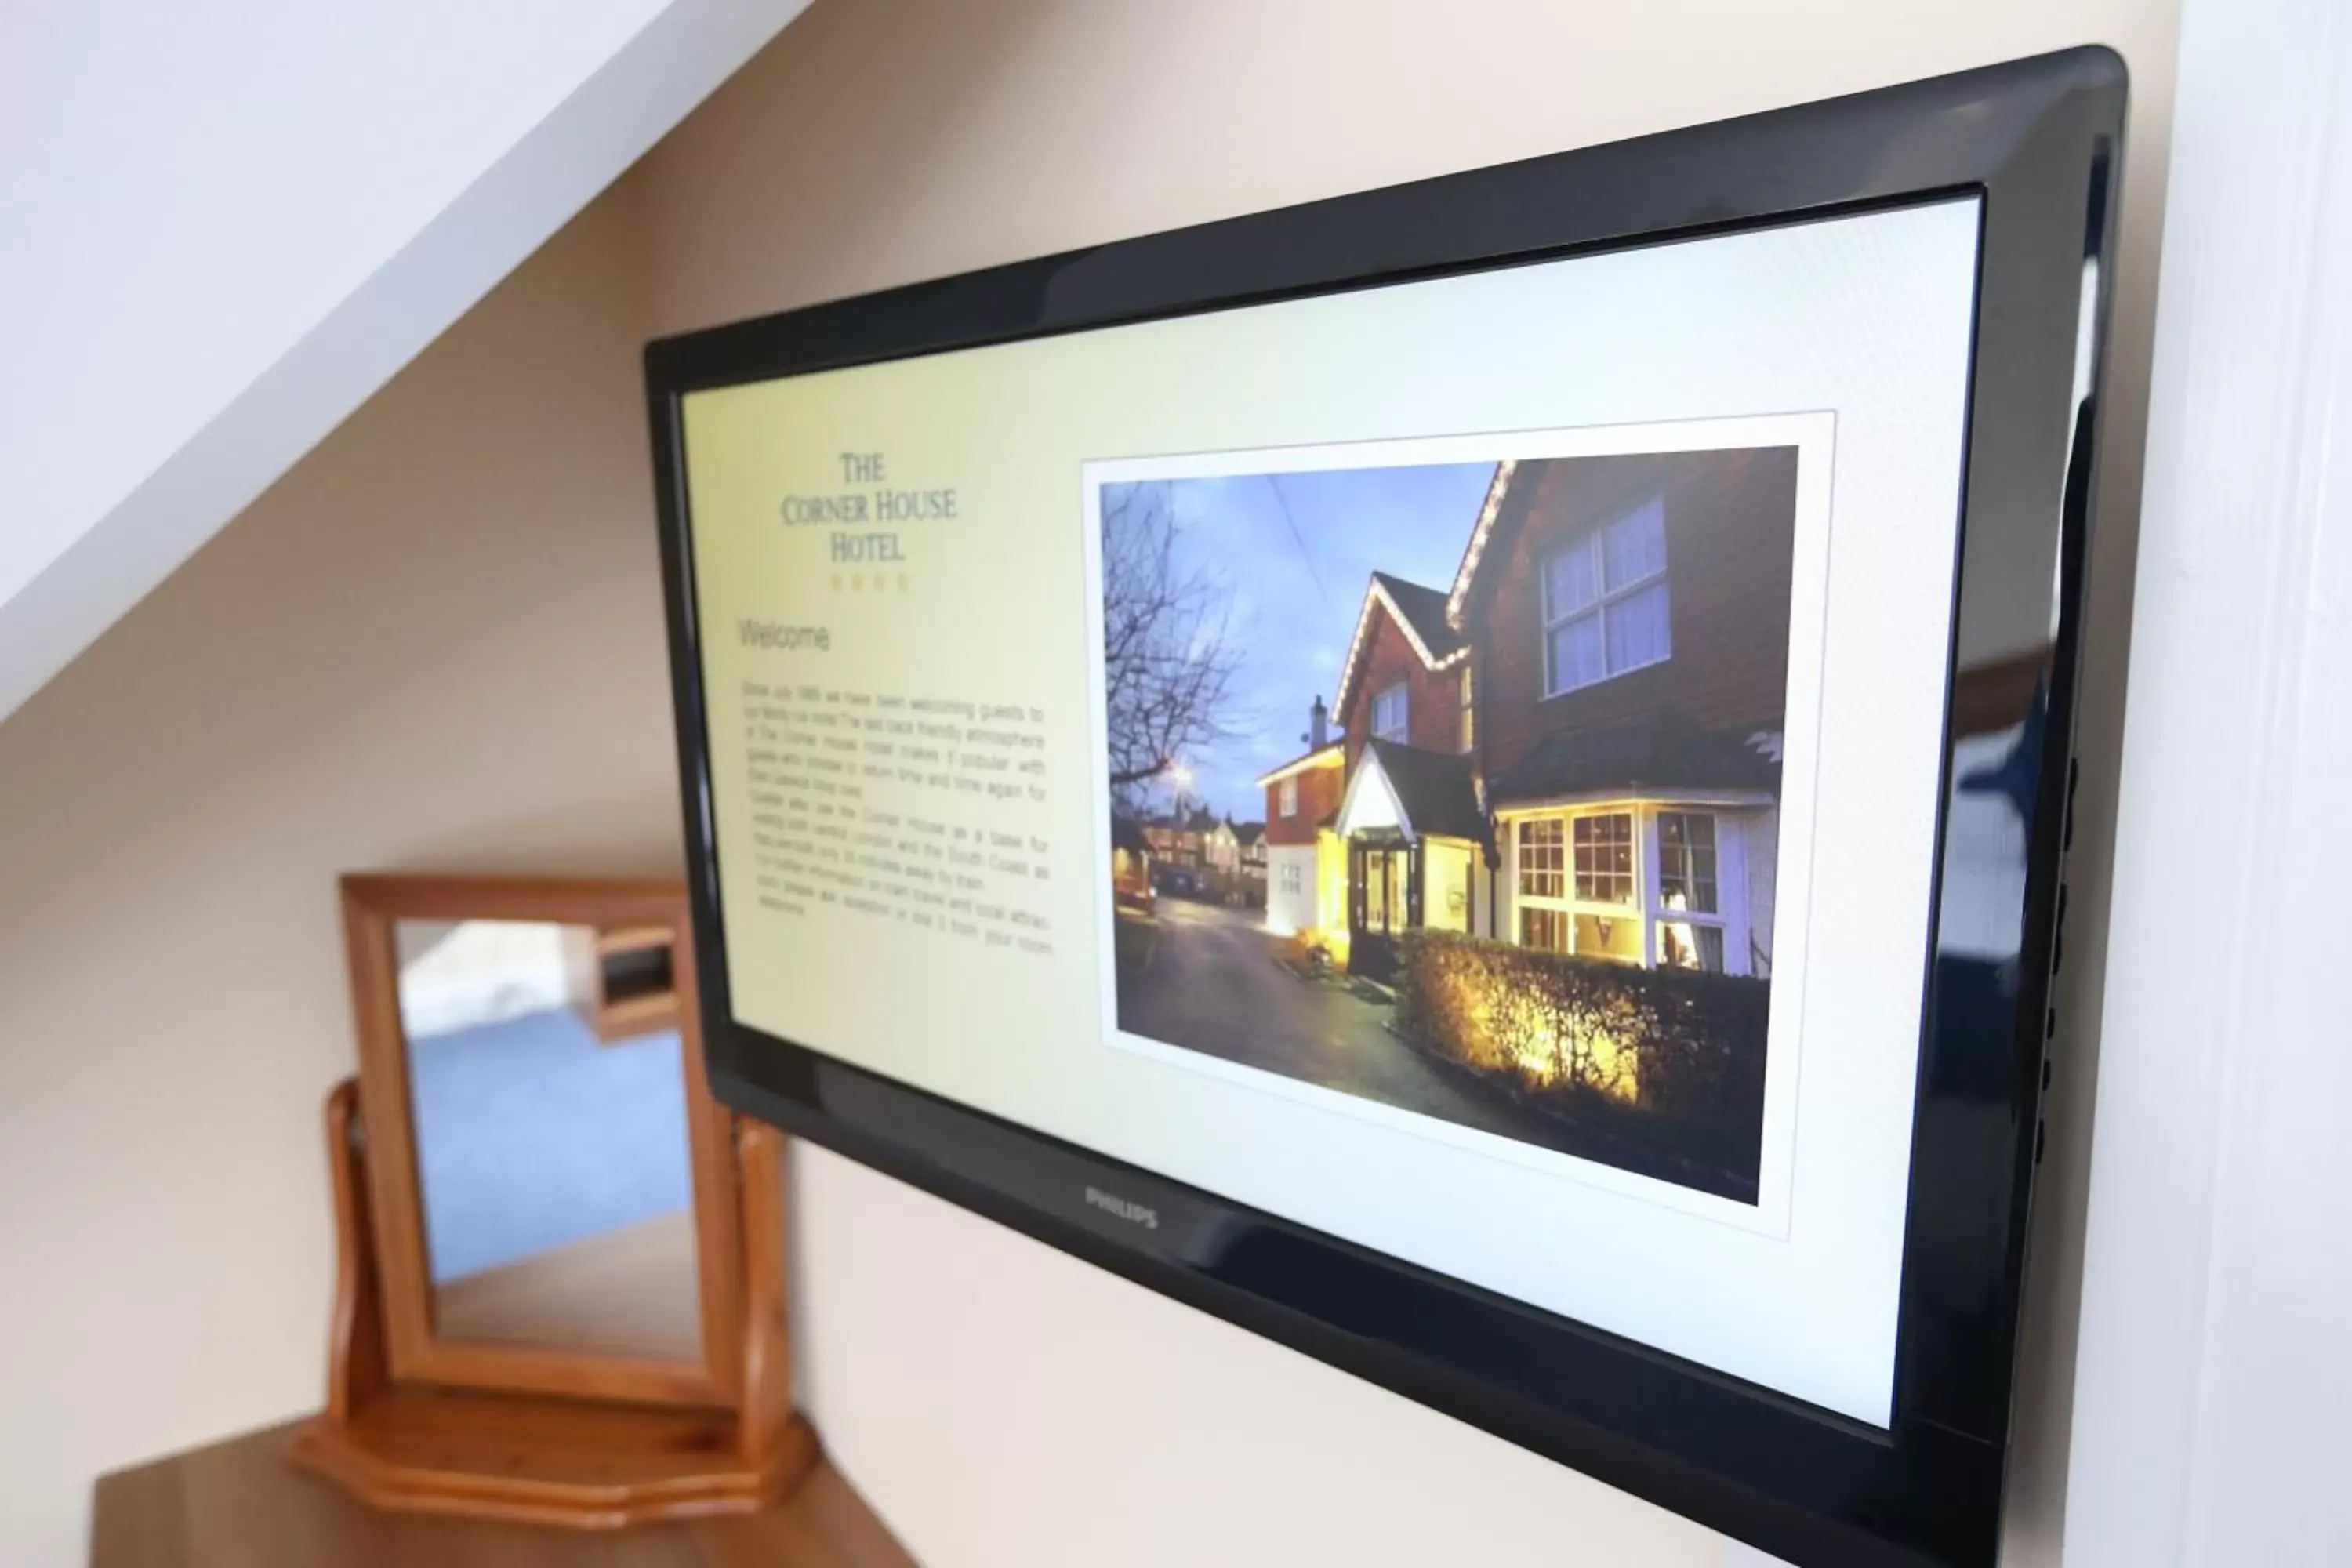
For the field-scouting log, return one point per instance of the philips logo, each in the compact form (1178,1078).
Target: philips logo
(1134,1213)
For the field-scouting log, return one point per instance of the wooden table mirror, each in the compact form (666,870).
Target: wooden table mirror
(560,1291)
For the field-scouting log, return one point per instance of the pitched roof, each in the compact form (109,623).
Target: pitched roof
(1419,611)
(1662,750)
(1249,832)
(1422,611)
(1330,753)
(1497,489)
(1435,790)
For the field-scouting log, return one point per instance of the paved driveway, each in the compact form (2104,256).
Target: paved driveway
(1214,985)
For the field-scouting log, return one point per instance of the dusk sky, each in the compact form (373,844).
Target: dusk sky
(1296,552)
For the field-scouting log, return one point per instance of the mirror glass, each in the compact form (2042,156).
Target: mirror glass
(549,1096)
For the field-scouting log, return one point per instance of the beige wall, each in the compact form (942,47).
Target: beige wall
(436,644)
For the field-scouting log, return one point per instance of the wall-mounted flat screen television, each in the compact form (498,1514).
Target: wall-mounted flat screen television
(1470,777)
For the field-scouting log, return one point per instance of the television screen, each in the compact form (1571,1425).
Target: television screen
(1492,762)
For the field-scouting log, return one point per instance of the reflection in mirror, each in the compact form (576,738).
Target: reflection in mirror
(549,1099)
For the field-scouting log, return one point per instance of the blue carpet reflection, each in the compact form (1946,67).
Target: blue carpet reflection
(530,1135)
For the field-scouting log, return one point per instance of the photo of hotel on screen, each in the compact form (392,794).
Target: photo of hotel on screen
(1457,788)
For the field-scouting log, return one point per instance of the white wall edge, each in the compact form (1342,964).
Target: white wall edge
(589,139)
(2214,1370)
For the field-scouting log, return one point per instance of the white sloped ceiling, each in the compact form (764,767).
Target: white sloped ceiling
(223,226)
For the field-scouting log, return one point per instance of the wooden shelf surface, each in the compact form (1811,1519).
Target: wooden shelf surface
(239,1504)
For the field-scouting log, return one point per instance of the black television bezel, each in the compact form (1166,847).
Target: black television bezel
(2039,142)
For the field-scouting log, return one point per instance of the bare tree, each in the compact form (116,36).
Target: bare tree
(1169,653)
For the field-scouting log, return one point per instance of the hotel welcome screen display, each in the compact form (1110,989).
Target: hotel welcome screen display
(1458,768)
(1392,802)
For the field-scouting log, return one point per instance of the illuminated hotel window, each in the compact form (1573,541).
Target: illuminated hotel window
(1604,859)
(1687,886)
(1687,862)
(1542,864)
(1543,929)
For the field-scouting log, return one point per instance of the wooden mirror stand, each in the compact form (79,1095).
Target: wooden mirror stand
(419,1419)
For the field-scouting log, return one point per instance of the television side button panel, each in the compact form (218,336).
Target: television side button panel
(2057,959)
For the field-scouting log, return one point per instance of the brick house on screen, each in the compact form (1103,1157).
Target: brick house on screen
(1221,849)
(1306,869)
(1180,840)
(1414,829)
(1626,623)
(1234,854)
(1251,836)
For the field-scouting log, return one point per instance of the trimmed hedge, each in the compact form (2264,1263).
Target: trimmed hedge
(1679,1053)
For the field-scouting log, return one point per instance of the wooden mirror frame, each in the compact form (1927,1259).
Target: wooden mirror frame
(552,1435)
(372,908)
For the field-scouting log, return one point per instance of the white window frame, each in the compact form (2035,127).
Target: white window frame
(1654,892)
(1286,796)
(1593,542)
(1519,932)
(1521,898)
(1402,732)
(1632,903)
(1648,906)
(1568,904)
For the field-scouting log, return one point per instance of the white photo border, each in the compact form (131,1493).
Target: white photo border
(1813,434)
